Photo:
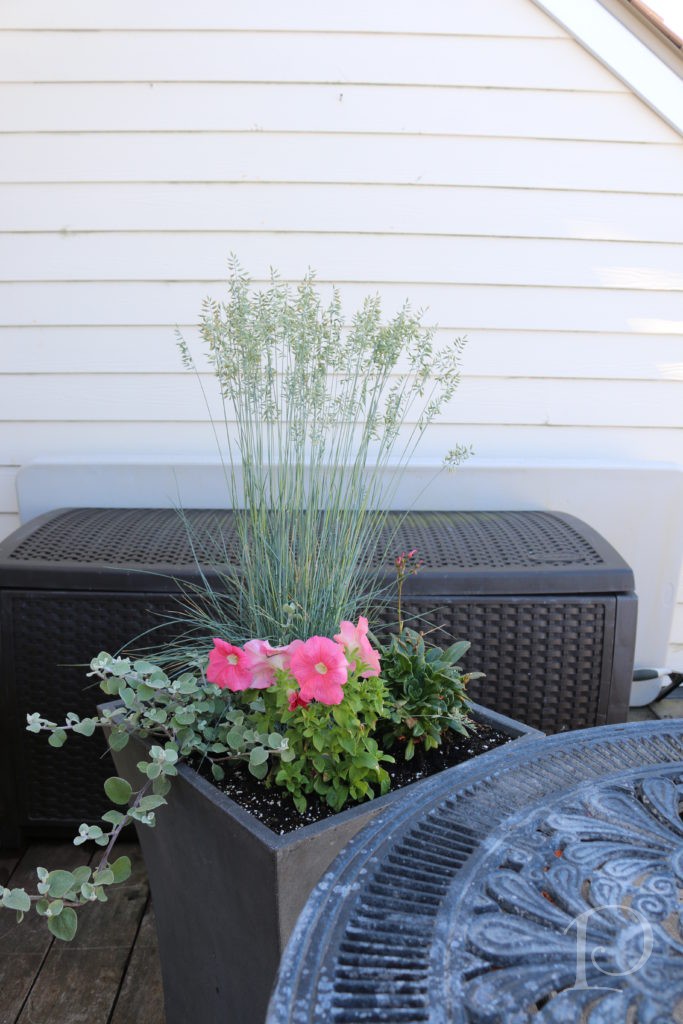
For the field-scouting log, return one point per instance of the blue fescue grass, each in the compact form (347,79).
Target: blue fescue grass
(318,429)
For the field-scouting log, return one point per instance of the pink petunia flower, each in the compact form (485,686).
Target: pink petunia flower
(229,667)
(284,654)
(295,700)
(354,640)
(264,661)
(320,669)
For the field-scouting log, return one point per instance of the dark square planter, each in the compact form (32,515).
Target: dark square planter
(227,890)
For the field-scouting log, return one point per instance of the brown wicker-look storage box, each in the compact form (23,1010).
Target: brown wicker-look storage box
(547,604)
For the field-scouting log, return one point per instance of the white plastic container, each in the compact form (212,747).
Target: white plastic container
(648,683)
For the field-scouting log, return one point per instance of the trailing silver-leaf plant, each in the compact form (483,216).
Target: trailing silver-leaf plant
(179,716)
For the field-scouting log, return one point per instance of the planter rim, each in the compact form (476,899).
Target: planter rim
(518,731)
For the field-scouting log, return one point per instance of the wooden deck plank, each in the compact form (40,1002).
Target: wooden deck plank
(79,981)
(141,999)
(24,947)
(8,862)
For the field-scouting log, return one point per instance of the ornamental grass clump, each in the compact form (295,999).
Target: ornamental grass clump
(321,417)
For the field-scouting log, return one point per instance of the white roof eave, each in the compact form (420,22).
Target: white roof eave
(624,54)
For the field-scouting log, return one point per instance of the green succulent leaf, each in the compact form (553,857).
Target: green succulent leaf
(81,875)
(111,686)
(118,739)
(16,899)
(118,790)
(456,651)
(113,817)
(145,668)
(86,727)
(121,869)
(150,803)
(259,771)
(57,738)
(63,926)
(60,883)
(127,695)
(161,786)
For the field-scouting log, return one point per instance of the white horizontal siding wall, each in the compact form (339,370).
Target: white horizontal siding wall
(472,157)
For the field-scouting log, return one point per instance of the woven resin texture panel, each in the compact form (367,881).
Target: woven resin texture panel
(544,661)
(514,552)
(46,650)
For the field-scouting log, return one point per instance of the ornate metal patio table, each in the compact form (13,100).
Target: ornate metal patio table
(544,887)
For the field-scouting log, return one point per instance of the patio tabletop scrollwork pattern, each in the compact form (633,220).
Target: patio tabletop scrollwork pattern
(576,916)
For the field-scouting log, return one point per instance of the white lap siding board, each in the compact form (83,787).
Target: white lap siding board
(473,157)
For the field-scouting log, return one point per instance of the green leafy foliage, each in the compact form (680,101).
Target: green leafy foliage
(63,923)
(57,738)
(58,883)
(15,899)
(121,869)
(331,750)
(60,893)
(180,715)
(427,692)
(118,790)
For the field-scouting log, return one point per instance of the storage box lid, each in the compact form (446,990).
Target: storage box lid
(462,553)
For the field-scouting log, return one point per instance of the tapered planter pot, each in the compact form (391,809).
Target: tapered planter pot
(227,890)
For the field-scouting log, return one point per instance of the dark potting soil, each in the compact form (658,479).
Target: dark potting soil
(273,806)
